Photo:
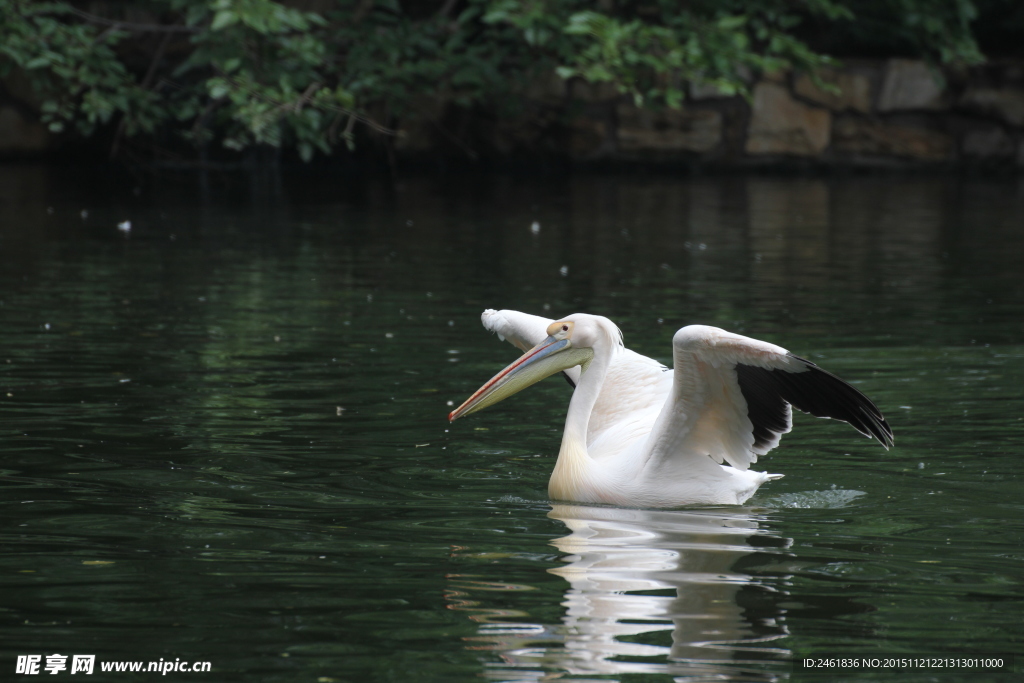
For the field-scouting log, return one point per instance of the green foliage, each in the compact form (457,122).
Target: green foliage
(651,52)
(260,72)
(941,30)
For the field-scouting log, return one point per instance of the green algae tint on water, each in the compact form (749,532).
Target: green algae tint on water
(223,432)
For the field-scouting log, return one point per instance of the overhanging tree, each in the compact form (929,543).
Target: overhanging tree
(312,75)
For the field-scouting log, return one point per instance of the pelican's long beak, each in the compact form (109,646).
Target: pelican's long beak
(543,360)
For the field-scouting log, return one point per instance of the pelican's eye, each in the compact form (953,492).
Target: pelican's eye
(560,330)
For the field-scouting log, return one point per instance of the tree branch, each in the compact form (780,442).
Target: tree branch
(145,85)
(296,106)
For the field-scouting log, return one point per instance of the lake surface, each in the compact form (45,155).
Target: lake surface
(223,432)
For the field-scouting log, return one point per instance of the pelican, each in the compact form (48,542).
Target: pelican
(640,435)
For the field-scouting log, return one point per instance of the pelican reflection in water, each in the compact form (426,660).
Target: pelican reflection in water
(649,592)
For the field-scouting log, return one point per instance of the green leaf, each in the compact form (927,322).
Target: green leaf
(223,19)
(732,23)
(218,88)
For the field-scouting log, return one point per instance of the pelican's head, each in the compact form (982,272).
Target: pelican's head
(570,342)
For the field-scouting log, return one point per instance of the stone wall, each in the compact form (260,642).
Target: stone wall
(895,112)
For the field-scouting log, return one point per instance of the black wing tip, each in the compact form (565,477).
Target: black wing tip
(873,425)
(822,394)
(882,432)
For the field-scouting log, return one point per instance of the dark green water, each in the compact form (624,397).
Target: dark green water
(223,436)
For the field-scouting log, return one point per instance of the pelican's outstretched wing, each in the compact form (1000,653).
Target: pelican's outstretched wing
(523,331)
(731,399)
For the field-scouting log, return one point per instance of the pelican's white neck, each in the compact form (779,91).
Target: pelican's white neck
(571,475)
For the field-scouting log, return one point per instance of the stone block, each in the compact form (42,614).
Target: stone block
(589,138)
(547,88)
(854,90)
(1005,103)
(910,84)
(668,130)
(777,76)
(706,91)
(709,91)
(781,125)
(19,133)
(860,136)
(988,143)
